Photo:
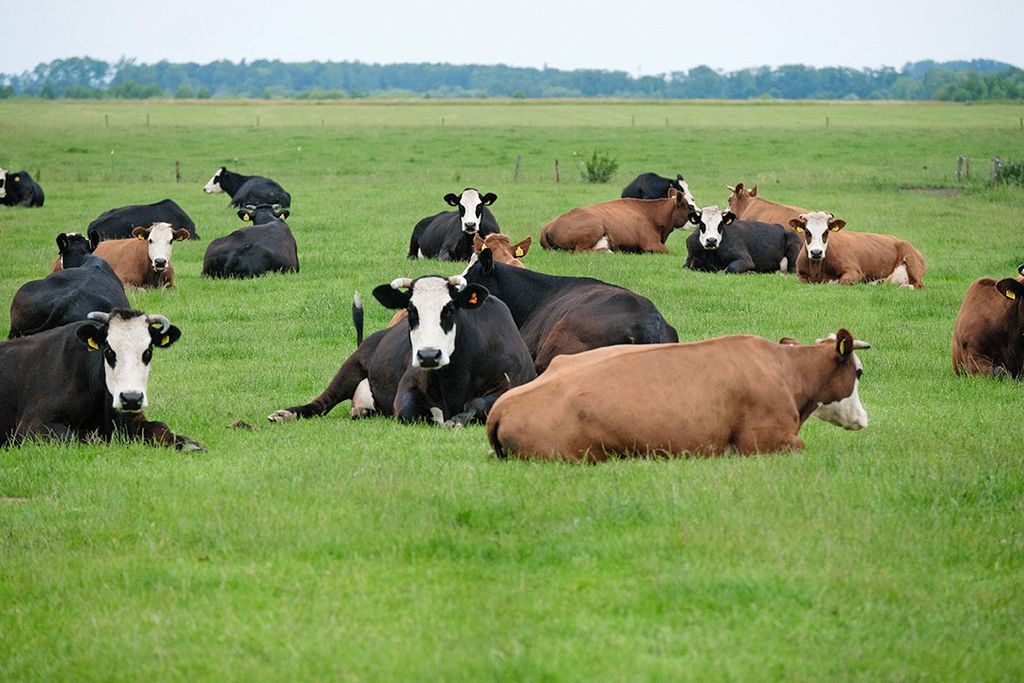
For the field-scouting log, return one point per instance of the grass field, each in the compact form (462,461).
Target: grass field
(339,549)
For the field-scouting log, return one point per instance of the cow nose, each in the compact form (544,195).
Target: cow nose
(469,226)
(429,358)
(160,263)
(131,400)
(816,254)
(712,242)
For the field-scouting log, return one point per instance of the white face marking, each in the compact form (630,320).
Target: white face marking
(3,183)
(817,227)
(161,241)
(362,400)
(602,244)
(847,413)
(784,264)
(128,340)
(686,193)
(213,185)
(430,296)
(710,235)
(469,204)
(899,276)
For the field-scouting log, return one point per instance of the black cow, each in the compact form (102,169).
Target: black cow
(448,235)
(118,224)
(19,189)
(72,249)
(448,360)
(721,242)
(67,295)
(560,315)
(266,247)
(653,186)
(85,380)
(247,190)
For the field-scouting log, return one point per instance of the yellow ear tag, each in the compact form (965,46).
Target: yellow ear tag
(166,340)
(93,346)
(142,236)
(472,299)
(246,218)
(17,178)
(1010,294)
(520,252)
(842,347)
(799,229)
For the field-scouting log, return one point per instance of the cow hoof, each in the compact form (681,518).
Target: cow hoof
(282,416)
(453,425)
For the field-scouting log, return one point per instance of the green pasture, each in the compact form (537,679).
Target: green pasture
(367,550)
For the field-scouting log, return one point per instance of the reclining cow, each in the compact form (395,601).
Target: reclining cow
(747,206)
(118,223)
(19,189)
(266,247)
(143,260)
(658,401)
(246,190)
(448,235)
(632,225)
(653,186)
(455,352)
(85,380)
(988,335)
(720,242)
(851,257)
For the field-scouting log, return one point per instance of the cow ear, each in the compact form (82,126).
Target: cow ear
(478,243)
(1011,289)
(472,296)
(94,241)
(486,260)
(244,215)
(844,344)
(181,234)
(452,199)
(92,336)
(392,298)
(836,225)
(283,213)
(728,218)
(797,224)
(164,338)
(738,188)
(753,191)
(62,241)
(139,233)
(489,198)
(523,247)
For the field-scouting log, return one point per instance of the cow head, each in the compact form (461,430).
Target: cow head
(502,248)
(710,222)
(681,208)
(432,302)
(3,183)
(213,184)
(161,238)
(815,227)
(846,409)
(740,198)
(126,338)
(73,248)
(683,187)
(471,206)
(259,214)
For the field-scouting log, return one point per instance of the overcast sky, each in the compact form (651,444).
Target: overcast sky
(637,37)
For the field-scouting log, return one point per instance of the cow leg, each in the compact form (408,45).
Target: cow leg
(851,277)
(476,411)
(136,426)
(52,431)
(768,439)
(341,388)
(411,406)
(740,266)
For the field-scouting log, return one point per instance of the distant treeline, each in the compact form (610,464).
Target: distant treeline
(83,77)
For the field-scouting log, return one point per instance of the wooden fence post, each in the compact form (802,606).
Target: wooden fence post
(960,168)
(558,177)
(519,160)
(177,171)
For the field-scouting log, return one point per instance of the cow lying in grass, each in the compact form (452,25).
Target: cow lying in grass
(988,335)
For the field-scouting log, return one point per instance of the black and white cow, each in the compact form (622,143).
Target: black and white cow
(653,186)
(72,249)
(66,296)
(448,360)
(85,380)
(118,223)
(19,189)
(266,247)
(720,242)
(448,235)
(246,190)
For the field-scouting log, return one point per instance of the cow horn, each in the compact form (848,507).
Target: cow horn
(398,283)
(99,316)
(731,188)
(164,322)
(858,344)
(458,282)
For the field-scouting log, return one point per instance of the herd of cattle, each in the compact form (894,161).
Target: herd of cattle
(542,359)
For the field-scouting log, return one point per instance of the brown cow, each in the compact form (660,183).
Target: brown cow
(747,206)
(988,335)
(637,225)
(503,249)
(143,260)
(739,393)
(851,257)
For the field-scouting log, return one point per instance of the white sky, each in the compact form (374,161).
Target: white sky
(649,38)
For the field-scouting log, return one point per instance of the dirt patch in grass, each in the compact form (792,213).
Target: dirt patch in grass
(940,191)
(12,501)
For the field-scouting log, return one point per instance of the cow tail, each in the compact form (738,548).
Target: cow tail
(492,436)
(357,317)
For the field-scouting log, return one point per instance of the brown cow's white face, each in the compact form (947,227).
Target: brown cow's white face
(709,222)
(815,227)
(161,238)
(849,412)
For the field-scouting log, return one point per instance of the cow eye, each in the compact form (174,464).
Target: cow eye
(448,317)
(860,371)
(414,317)
(147,355)
(110,357)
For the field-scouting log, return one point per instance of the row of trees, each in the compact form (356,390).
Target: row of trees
(83,77)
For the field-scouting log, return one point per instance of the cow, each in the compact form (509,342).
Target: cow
(633,225)
(448,235)
(739,393)
(19,189)
(560,315)
(653,186)
(72,248)
(143,260)
(503,249)
(66,296)
(266,247)
(988,335)
(85,380)
(455,352)
(851,257)
(246,190)
(720,242)
(747,206)
(118,224)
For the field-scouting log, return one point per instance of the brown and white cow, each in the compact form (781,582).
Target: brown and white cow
(143,260)
(635,225)
(747,206)
(850,257)
(988,335)
(503,249)
(658,399)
